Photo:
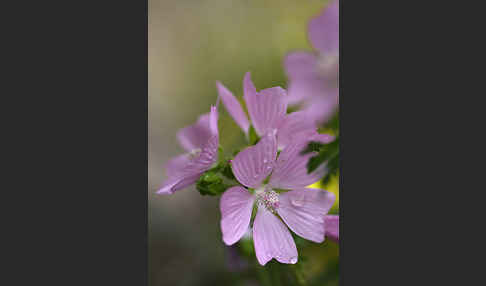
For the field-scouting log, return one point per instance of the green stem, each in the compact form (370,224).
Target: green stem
(299,276)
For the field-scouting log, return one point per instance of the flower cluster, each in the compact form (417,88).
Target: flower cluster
(270,193)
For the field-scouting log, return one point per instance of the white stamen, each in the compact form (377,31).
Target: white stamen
(267,198)
(194,153)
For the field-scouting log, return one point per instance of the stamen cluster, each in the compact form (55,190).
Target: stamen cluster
(267,198)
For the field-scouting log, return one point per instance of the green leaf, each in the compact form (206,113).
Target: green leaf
(333,169)
(312,147)
(326,153)
(333,124)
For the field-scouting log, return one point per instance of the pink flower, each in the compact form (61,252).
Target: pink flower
(268,111)
(303,210)
(331,223)
(313,77)
(201,142)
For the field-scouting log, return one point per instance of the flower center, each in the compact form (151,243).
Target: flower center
(267,198)
(194,153)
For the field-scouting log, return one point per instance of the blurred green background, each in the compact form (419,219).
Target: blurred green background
(191,45)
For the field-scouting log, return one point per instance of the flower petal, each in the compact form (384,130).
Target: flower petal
(290,170)
(176,165)
(304,80)
(174,184)
(233,107)
(190,173)
(236,205)
(253,164)
(196,135)
(322,137)
(321,108)
(207,157)
(324,29)
(268,109)
(249,93)
(272,239)
(304,89)
(294,125)
(331,227)
(300,65)
(249,90)
(304,210)
(213,121)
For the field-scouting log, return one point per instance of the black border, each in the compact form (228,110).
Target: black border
(76,153)
(388,235)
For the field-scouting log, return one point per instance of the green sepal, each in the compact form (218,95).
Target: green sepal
(211,183)
(228,172)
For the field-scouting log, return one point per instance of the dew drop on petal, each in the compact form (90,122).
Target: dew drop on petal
(293,260)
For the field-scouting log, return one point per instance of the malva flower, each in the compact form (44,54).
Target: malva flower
(268,111)
(331,223)
(201,142)
(302,209)
(313,77)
